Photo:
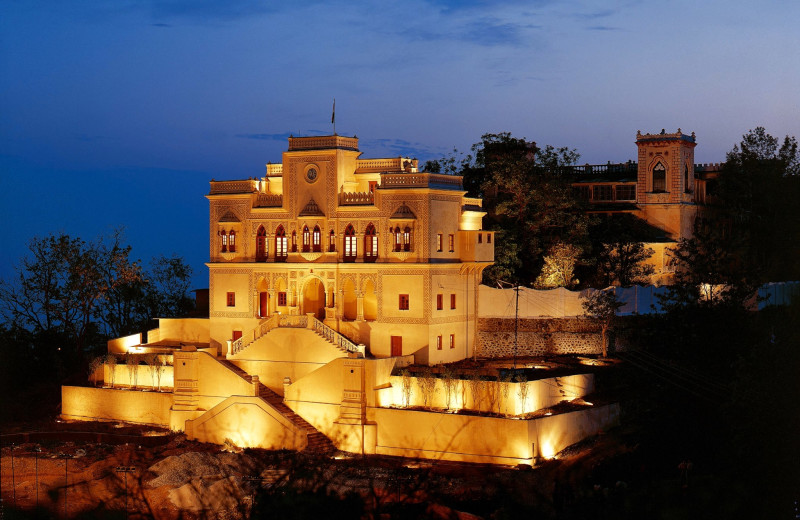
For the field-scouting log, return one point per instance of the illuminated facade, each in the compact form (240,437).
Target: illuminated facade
(327,276)
(388,256)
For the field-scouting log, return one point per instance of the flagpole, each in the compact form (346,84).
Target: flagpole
(333,116)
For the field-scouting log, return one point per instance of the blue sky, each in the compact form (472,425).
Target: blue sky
(117,114)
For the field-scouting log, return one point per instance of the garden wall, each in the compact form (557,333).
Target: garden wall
(105,404)
(537,337)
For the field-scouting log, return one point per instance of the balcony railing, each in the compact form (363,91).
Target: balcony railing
(420,180)
(246,186)
(268,200)
(357,199)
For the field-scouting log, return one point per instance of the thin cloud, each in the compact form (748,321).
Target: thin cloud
(602,28)
(265,137)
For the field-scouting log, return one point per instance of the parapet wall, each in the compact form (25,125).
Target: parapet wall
(537,337)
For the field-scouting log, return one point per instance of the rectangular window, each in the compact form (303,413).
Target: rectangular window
(582,192)
(439,242)
(439,302)
(602,193)
(231,299)
(452,301)
(438,343)
(403,306)
(452,341)
(480,238)
(488,238)
(282,299)
(224,242)
(451,239)
(626,192)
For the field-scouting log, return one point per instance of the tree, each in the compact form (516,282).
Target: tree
(559,267)
(602,306)
(759,186)
(622,263)
(168,281)
(710,272)
(529,200)
(57,289)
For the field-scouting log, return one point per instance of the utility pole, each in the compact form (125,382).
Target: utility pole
(516,325)
(125,470)
(13,484)
(65,458)
(36,451)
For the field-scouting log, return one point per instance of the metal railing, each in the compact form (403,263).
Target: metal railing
(335,337)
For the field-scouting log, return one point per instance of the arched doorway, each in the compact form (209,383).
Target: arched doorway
(349,301)
(370,302)
(263,298)
(314,298)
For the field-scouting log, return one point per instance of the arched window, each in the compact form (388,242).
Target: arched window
(370,244)
(261,245)
(294,241)
(350,250)
(280,245)
(686,185)
(332,241)
(659,178)
(397,240)
(316,240)
(306,240)
(232,241)
(407,239)
(224,236)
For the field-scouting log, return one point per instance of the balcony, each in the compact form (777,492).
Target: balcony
(420,180)
(230,187)
(357,199)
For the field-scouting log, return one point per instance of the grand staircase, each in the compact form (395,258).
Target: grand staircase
(330,335)
(318,443)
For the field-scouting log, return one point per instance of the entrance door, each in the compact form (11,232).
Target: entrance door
(397,346)
(237,334)
(262,304)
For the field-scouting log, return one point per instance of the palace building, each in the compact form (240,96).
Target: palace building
(386,255)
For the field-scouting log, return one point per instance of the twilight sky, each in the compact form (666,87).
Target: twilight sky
(117,114)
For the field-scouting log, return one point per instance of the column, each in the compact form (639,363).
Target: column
(359,306)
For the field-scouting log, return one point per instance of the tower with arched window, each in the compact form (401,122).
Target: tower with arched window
(665,182)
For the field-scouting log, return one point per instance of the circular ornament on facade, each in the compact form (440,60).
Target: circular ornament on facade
(311,175)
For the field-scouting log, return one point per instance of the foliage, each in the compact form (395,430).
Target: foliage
(111,361)
(559,267)
(405,382)
(709,272)
(94,365)
(69,296)
(427,385)
(153,365)
(505,388)
(476,389)
(132,362)
(759,187)
(522,391)
(622,263)
(449,382)
(602,306)
(529,200)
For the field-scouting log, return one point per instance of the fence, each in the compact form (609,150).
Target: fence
(560,303)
